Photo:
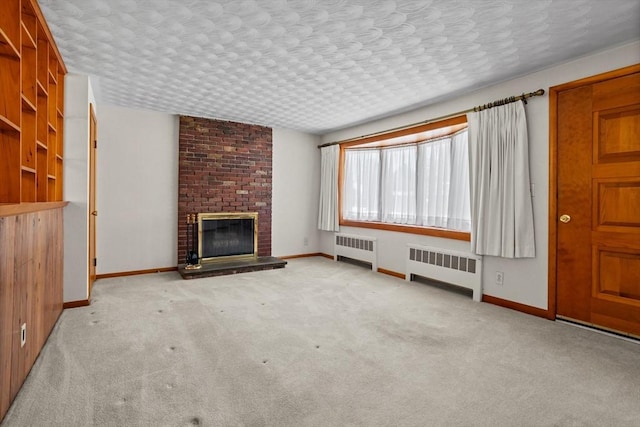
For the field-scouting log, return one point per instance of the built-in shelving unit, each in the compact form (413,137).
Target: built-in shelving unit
(31,210)
(31,106)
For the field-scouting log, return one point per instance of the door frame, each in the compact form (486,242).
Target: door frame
(91,202)
(553,173)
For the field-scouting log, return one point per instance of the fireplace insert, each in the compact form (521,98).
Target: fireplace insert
(227,235)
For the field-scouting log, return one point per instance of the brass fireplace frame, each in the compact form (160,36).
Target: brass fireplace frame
(228,215)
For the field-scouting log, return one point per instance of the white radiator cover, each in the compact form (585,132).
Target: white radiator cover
(361,248)
(458,268)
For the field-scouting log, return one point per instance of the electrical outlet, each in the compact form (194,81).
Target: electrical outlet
(23,334)
(499,278)
(306,241)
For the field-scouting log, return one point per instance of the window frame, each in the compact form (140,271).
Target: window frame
(402,228)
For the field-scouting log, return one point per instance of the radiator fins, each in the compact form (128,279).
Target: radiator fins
(352,242)
(440,259)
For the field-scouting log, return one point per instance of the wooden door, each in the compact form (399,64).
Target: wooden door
(93,213)
(598,203)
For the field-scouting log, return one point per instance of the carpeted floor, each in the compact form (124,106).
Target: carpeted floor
(319,343)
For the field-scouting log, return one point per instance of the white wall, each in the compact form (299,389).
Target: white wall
(296,187)
(137,190)
(78,96)
(525,281)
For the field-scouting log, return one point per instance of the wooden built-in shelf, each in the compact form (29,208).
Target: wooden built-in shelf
(31,141)
(41,89)
(27,104)
(27,169)
(27,38)
(7,48)
(11,209)
(8,125)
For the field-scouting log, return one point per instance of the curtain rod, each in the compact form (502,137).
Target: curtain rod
(504,101)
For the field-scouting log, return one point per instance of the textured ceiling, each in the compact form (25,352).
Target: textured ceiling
(316,65)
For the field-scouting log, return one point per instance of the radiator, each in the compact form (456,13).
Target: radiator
(456,268)
(361,248)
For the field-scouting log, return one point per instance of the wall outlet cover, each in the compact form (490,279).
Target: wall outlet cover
(23,334)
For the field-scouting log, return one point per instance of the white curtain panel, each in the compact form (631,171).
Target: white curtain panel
(501,208)
(459,215)
(443,183)
(361,199)
(398,195)
(328,206)
(434,172)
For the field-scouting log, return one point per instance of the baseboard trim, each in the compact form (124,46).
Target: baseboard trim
(314,254)
(307,255)
(534,311)
(391,273)
(136,272)
(76,304)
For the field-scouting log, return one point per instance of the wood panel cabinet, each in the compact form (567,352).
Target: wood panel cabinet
(30,290)
(31,106)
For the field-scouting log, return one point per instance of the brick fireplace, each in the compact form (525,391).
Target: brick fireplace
(224,167)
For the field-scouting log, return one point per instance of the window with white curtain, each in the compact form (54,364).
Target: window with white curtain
(420,184)
(361,201)
(443,183)
(398,189)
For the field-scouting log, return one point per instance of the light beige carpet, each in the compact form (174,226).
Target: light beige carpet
(319,343)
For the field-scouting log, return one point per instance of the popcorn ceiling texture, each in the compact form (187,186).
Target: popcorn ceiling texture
(316,66)
(224,167)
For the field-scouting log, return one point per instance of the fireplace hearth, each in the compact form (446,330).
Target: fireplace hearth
(233,266)
(227,243)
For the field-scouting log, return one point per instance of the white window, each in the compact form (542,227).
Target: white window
(421,184)
(398,189)
(443,183)
(361,200)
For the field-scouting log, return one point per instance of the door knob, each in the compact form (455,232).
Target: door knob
(94,213)
(565,218)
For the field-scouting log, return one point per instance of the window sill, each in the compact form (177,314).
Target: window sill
(411,229)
